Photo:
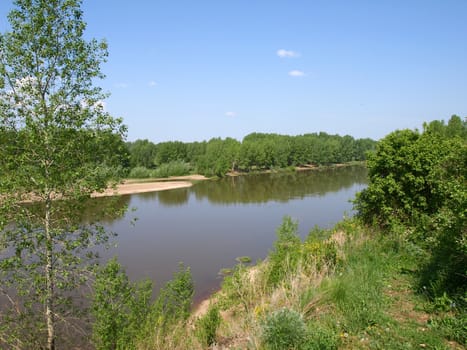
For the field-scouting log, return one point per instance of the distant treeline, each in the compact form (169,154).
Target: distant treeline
(257,151)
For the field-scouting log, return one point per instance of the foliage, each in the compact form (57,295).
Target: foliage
(285,256)
(168,314)
(118,308)
(407,174)
(318,253)
(142,153)
(140,172)
(173,168)
(175,298)
(125,317)
(257,151)
(284,329)
(207,325)
(58,145)
(418,182)
(220,157)
(237,288)
(171,151)
(453,327)
(447,270)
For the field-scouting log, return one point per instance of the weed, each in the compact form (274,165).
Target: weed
(284,329)
(286,254)
(206,326)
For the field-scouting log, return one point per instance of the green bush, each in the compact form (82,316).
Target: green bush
(174,168)
(417,180)
(284,329)
(118,307)
(123,313)
(139,172)
(285,257)
(175,298)
(206,326)
(317,253)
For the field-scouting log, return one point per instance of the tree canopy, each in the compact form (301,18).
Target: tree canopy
(257,151)
(58,146)
(418,180)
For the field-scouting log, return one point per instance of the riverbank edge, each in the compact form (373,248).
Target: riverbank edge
(304,167)
(403,315)
(135,186)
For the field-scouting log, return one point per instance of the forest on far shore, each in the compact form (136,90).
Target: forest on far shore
(257,151)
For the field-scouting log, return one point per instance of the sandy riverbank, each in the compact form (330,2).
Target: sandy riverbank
(132,186)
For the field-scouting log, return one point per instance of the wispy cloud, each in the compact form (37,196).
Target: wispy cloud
(230,114)
(287,53)
(152,83)
(121,85)
(297,73)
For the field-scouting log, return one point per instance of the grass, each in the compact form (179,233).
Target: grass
(353,290)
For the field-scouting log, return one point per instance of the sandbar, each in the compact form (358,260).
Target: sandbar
(131,187)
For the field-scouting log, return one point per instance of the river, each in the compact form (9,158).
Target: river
(210,224)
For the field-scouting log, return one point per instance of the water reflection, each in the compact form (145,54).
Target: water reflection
(282,187)
(104,209)
(210,224)
(174,198)
(263,188)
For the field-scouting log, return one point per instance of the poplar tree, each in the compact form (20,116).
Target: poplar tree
(58,145)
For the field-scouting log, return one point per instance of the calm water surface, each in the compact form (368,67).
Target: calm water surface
(210,224)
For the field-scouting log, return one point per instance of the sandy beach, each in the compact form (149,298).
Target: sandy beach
(132,187)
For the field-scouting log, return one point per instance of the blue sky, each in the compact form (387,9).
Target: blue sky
(192,70)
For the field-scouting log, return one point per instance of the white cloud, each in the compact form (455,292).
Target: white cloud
(287,53)
(297,73)
(152,83)
(230,114)
(121,85)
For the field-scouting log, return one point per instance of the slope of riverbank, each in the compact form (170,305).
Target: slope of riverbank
(348,291)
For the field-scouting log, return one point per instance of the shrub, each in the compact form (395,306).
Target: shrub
(118,307)
(238,288)
(206,326)
(174,168)
(410,175)
(417,180)
(139,172)
(318,254)
(286,254)
(284,329)
(175,298)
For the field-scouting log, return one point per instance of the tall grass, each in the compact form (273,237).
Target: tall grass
(358,289)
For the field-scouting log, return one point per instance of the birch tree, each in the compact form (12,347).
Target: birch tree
(57,146)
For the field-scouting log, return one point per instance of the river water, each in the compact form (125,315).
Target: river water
(210,224)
